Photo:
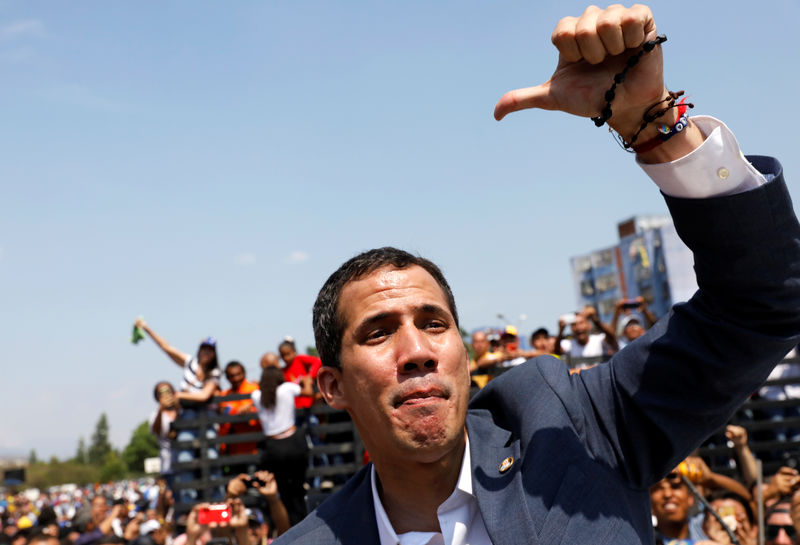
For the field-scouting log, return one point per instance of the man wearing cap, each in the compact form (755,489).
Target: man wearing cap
(632,325)
(541,456)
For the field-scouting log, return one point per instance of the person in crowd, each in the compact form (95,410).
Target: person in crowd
(540,452)
(285,451)
(201,372)
(151,532)
(234,530)
(745,459)
(636,319)
(270,359)
(298,366)
(266,485)
(236,375)
(784,483)
(737,514)
(779,529)
(160,424)
(509,344)
(671,503)
(43,538)
(484,358)
(584,343)
(542,341)
(201,375)
(102,522)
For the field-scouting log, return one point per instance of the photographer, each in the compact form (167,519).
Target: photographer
(584,343)
(160,422)
(632,326)
(267,487)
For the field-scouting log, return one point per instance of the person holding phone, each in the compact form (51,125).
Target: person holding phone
(160,421)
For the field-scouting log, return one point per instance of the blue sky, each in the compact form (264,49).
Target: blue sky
(207,165)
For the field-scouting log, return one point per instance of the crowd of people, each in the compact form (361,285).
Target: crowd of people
(582,340)
(141,512)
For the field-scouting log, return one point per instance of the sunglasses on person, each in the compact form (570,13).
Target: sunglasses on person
(771,531)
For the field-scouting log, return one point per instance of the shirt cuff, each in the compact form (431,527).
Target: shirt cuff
(717,167)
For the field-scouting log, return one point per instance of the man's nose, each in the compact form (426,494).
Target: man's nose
(414,351)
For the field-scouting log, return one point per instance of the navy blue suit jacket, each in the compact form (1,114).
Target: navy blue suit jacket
(587,447)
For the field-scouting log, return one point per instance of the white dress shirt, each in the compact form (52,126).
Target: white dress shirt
(717,167)
(459,517)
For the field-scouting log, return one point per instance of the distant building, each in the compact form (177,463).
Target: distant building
(649,261)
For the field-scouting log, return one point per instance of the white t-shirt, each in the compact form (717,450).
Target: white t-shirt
(592,348)
(279,418)
(162,439)
(190,381)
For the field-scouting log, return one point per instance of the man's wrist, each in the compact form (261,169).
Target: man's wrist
(628,124)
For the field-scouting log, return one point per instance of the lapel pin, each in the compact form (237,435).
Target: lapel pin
(506,464)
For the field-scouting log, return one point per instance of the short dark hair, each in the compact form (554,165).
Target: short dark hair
(328,324)
(722,494)
(540,331)
(158,385)
(233,363)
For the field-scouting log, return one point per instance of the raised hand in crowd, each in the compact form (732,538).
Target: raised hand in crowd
(784,483)
(737,435)
(265,484)
(132,527)
(696,469)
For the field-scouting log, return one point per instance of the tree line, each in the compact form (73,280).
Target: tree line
(96,462)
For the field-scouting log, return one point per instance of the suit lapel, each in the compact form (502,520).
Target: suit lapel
(497,485)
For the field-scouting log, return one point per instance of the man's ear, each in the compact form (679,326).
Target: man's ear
(329,383)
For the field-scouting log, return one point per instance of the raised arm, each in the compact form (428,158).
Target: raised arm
(210,387)
(175,355)
(611,337)
(592,49)
(661,396)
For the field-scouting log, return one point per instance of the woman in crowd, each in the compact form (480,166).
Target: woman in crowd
(201,375)
(285,449)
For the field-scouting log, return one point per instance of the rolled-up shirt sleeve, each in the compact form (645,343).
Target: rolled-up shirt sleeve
(715,168)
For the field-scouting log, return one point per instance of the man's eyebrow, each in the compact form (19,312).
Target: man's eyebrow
(433,309)
(427,308)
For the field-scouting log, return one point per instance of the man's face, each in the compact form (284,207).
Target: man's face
(540,342)
(633,330)
(480,343)
(287,354)
(581,328)
(404,374)
(235,375)
(734,515)
(779,529)
(99,509)
(670,500)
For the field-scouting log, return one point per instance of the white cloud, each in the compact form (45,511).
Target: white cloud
(245,259)
(297,256)
(23,28)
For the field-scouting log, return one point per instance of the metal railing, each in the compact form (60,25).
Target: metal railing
(337,451)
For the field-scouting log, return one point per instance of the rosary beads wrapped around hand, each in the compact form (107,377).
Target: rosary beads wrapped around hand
(649,115)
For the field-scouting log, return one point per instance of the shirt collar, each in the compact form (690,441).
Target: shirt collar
(461,494)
